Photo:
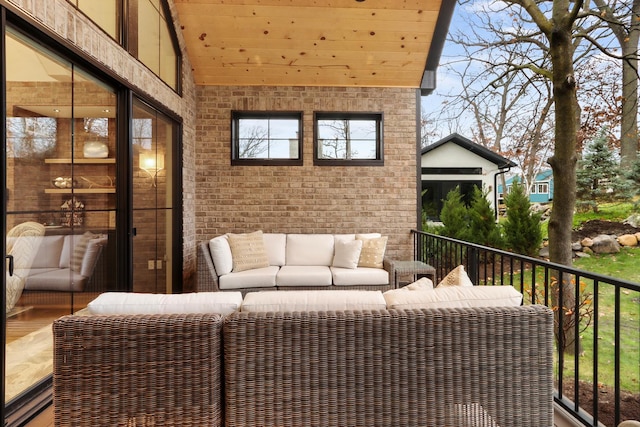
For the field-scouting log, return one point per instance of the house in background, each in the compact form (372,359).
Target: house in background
(455,161)
(541,190)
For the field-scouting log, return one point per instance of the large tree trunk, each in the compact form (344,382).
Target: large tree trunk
(563,163)
(629,144)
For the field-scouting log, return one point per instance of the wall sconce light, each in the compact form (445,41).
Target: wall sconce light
(151,163)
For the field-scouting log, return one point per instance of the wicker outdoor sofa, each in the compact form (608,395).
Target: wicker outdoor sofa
(294,262)
(430,367)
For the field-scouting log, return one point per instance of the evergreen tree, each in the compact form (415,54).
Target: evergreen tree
(632,176)
(454,216)
(598,175)
(522,231)
(483,228)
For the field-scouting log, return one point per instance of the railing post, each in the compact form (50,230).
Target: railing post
(473,265)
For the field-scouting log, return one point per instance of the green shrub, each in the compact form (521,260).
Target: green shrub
(454,216)
(475,223)
(522,228)
(483,228)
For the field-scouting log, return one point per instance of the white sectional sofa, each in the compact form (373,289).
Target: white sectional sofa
(65,262)
(269,261)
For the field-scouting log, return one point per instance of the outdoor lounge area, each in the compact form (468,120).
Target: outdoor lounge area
(276,360)
(147,145)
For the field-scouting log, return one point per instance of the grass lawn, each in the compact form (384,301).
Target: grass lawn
(624,265)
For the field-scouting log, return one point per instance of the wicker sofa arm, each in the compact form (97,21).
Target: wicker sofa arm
(124,370)
(207,277)
(439,367)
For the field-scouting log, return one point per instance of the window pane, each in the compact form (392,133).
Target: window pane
(347,139)
(267,138)
(103,12)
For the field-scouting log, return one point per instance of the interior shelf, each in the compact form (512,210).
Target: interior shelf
(81,161)
(80,190)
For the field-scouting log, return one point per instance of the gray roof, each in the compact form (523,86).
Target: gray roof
(477,149)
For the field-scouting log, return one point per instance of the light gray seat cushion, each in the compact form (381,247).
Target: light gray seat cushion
(453,296)
(255,278)
(359,276)
(313,301)
(147,303)
(300,275)
(61,279)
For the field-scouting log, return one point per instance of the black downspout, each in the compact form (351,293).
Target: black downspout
(495,192)
(418,160)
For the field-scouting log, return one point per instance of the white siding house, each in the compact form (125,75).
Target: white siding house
(456,161)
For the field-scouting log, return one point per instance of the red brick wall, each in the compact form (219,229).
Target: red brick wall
(308,198)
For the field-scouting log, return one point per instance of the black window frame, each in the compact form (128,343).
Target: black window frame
(237,115)
(378,117)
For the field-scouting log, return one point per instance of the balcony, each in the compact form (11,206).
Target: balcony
(598,375)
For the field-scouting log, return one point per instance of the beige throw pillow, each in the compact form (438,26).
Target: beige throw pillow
(422,284)
(456,277)
(372,253)
(347,254)
(248,251)
(80,249)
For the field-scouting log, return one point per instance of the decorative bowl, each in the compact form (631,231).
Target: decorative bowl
(95,150)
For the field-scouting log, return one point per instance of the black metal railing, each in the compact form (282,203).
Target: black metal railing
(602,312)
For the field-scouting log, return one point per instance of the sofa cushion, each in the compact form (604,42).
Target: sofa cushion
(221,255)
(454,296)
(79,249)
(313,301)
(372,254)
(48,255)
(343,238)
(456,277)
(308,275)
(91,255)
(254,278)
(359,276)
(310,249)
(59,279)
(248,251)
(364,236)
(347,253)
(421,284)
(276,247)
(144,303)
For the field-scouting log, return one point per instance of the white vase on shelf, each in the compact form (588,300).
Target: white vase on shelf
(95,150)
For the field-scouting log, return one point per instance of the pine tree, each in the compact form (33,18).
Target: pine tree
(454,216)
(598,175)
(483,228)
(522,231)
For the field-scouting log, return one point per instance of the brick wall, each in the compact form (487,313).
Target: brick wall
(308,198)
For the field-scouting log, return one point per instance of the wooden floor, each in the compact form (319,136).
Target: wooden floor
(45,419)
(35,312)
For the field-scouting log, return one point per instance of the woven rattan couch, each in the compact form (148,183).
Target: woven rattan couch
(138,370)
(433,367)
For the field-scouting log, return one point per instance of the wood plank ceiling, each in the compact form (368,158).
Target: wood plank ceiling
(373,43)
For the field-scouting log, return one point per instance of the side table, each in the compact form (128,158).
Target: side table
(413,268)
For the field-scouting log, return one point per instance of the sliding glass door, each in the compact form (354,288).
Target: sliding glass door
(153,200)
(60,210)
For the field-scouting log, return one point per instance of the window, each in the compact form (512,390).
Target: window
(148,32)
(348,139)
(267,138)
(542,188)
(451,171)
(31,137)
